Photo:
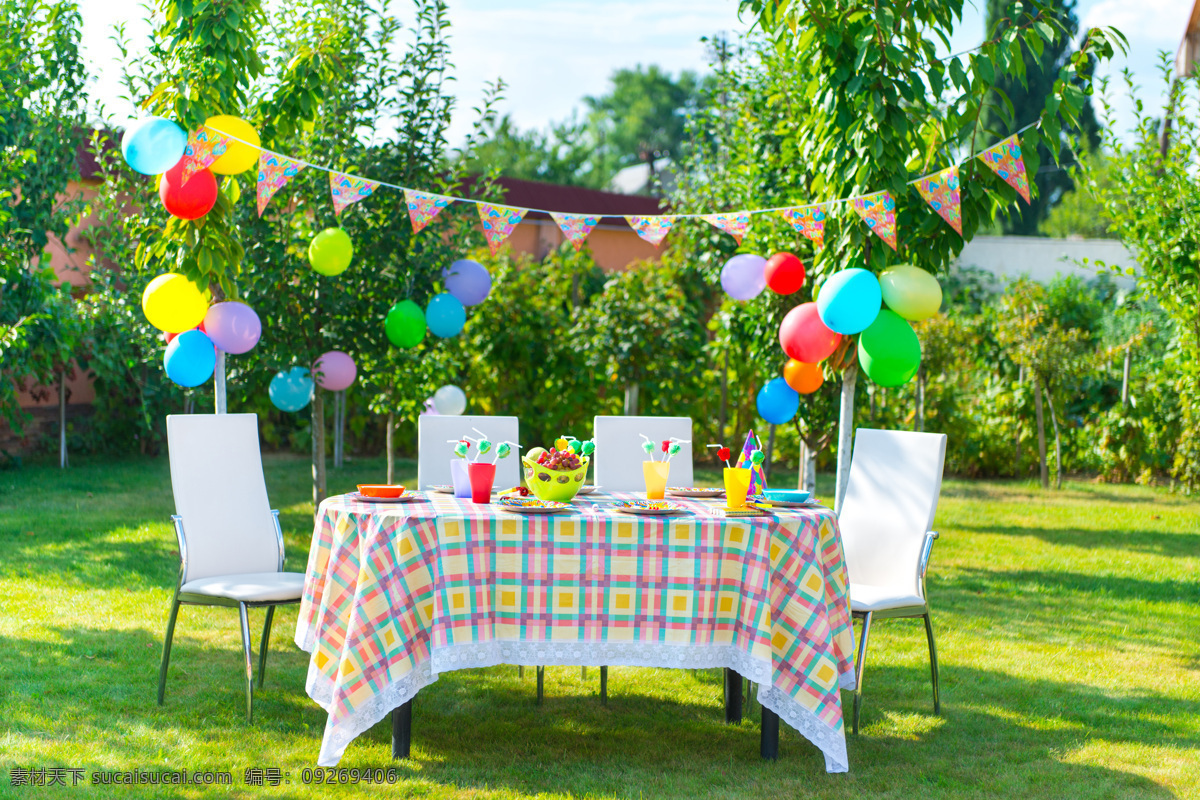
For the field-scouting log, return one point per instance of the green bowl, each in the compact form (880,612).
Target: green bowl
(559,485)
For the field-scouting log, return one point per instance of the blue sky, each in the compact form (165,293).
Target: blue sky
(553,52)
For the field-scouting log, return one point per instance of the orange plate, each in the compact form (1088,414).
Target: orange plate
(380,490)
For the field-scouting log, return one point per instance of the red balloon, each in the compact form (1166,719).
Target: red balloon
(804,336)
(199,327)
(785,273)
(193,199)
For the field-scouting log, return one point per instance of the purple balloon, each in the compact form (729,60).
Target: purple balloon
(743,276)
(233,327)
(468,281)
(334,371)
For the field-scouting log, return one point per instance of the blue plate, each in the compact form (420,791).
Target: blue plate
(786,495)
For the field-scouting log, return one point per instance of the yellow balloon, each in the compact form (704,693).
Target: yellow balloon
(173,304)
(910,291)
(238,156)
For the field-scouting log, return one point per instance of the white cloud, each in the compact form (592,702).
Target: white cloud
(1151,24)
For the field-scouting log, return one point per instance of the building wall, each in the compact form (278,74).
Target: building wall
(1041,259)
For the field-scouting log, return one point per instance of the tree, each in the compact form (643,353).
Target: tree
(1079,213)
(567,153)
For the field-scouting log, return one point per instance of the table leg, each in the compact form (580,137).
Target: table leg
(401,731)
(769,742)
(541,677)
(733,697)
(604,685)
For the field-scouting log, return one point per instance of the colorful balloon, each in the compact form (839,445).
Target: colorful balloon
(469,281)
(804,378)
(804,336)
(450,400)
(742,277)
(292,389)
(405,324)
(334,370)
(238,156)
(889,350)
(784,273)
(330,252)
(445,315)
(190,200)
(233,326)
(777,402)
(910,291)
(190,359)
(153,145)
(849,301)
(173,304)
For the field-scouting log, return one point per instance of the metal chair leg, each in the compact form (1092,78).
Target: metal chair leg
(262,650)
(933,664)
(166,653)
(249,661)
(860,665)
(604,686)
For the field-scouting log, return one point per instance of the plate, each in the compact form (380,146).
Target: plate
(648,508)
(587,489)
(441,489)
(777,496)
(685,491)
(531,505)
(407,497)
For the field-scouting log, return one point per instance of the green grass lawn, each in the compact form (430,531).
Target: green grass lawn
(1068,625)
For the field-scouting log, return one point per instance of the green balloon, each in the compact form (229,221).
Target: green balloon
(330,252)
(889,350)
(405,324)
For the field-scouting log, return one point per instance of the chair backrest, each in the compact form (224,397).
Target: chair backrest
(435,452)
(217,478)
(619,453)
(891,498)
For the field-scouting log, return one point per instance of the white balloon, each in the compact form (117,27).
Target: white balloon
(450,400)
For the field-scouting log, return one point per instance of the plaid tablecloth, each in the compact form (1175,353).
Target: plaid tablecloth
(396,594)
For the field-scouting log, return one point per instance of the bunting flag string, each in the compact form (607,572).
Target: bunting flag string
(204,146)
(735,223)
(879,212)
(940,190)
(349,189)
(1005,160)
(809,221)
(498,223)
(653,229)
(274,172)
(423,207)
(575,227)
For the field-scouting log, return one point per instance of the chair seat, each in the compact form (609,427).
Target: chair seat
(864,598)
(251,587)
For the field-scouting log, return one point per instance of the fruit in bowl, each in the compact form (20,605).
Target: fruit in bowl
(554,474)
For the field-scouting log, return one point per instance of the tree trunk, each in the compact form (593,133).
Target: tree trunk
(768,454)
(339,428)
(62,419)
(1125,377)
(631,399)
(1058,467)
(1017,431)
(1041,433)
(318,447)
(720,437)
(920,426)
(845,434)
(391,449)
(219,384)
(808,468)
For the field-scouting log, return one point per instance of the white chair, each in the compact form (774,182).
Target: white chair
(435,452)
(230,542)
(886,519)
(619,454)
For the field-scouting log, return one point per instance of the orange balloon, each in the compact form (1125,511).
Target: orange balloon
(804,378)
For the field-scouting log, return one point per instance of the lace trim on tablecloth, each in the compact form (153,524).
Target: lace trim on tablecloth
(830,742)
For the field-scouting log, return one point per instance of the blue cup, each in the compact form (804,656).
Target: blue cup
(460,478)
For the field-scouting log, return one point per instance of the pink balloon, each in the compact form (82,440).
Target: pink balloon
(233,326)
(334,371)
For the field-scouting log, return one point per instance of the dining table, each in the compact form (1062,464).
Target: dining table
(398,593)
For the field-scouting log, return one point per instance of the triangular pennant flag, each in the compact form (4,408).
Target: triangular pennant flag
(758,479)
(940,190)
(349,189)
(879,212)
(274,172)
(652,229)
(204,146)
(808,220)
(498,223)
(423,207)
(734,224)
(575,227)
(1005,160)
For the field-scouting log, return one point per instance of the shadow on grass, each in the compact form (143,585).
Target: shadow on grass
(1177,544)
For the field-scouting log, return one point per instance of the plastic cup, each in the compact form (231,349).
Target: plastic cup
(482,477)
(737,486)
(655,473)
(460,478)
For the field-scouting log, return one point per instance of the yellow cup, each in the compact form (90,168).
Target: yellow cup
(655,473)
(737,486)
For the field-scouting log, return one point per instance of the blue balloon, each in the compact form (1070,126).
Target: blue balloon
(292,389)
(468,280)
(849,301)
(190,358)
(777,402)
(153,145)
(445,315)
